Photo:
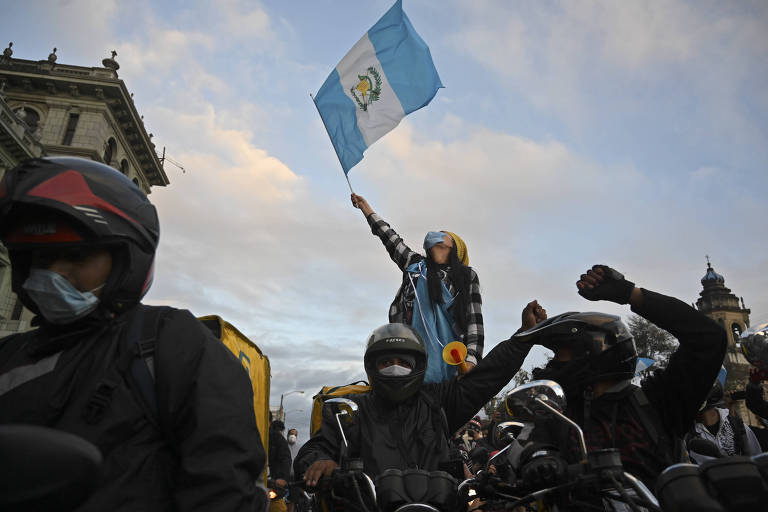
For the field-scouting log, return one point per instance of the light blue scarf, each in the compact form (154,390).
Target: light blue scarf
(433,323)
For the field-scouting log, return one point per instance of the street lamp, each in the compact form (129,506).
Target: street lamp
(282,413)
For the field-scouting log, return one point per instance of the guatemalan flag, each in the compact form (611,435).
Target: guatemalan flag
(389,73)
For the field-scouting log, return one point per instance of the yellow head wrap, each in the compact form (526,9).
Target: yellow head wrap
(461,248)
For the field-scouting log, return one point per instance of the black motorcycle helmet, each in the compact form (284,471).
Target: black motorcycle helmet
(602,346)
(395,339)
(65,202)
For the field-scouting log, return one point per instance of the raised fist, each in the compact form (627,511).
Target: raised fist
(604,283)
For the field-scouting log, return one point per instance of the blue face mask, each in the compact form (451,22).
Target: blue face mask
(58,301)
(433,238)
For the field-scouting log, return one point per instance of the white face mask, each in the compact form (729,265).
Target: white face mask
(292,438)
(395,370)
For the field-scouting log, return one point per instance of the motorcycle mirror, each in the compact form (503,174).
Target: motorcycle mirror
(521,402)
(541,398)
(45,469)
(506,432)
(343,407)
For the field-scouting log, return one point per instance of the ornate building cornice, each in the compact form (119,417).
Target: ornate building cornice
(80,83)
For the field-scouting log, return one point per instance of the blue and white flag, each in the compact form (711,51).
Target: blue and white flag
(389,73)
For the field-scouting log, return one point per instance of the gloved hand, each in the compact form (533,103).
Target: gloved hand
(604,283)
(757,374)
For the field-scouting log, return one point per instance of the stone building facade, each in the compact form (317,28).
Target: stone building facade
(52,109)
(719,303)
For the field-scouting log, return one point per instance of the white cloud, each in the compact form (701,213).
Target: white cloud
(246,20)
(584,61)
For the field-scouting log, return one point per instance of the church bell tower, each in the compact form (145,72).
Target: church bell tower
(717,302)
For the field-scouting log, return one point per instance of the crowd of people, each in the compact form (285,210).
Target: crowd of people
(171,410)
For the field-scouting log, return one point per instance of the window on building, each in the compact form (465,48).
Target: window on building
(69,133)
(136,181)
(124,166)
(736,330)
(110,151)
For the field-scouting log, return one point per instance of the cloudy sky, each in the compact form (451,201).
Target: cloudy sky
(631,133)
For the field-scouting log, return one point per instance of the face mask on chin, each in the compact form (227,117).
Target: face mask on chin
(57,300)
(395,370)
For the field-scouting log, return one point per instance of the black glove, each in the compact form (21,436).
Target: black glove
(613,287)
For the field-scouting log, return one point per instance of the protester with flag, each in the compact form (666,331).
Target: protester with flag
(439,296)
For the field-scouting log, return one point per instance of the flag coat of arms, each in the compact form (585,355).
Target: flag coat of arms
(388,74)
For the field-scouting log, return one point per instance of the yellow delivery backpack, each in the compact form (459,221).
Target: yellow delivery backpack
(327,392)
(255,363)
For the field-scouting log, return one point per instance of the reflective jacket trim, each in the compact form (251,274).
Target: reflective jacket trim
(23,374)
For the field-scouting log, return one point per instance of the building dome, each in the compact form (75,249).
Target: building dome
(712,277)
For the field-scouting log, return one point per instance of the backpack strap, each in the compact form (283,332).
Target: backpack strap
(439,418)
(140,338)
(647,417)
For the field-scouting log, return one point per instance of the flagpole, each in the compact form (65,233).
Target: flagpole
(334,147)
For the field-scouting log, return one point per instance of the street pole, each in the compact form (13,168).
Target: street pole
(282,411)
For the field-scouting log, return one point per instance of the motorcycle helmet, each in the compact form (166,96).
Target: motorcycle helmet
(754,345)
(65,202)
(601,345)
(395,339)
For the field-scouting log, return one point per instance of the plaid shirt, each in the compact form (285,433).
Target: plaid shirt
(401,310)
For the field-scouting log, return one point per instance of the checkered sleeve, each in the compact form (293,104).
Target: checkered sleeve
(400,253)
(475,334)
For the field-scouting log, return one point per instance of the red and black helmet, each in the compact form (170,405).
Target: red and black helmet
(70,202)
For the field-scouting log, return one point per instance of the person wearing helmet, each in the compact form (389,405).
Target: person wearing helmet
(594,361)
(166,403)
(403,422)
(726,432)
(754,346)
(439,296)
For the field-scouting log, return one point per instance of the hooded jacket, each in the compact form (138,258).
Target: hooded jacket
(415,433)
(206,456)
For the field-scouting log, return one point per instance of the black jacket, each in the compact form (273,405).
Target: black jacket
(674,394)
(279,456)
(211,453)
(416,432)
(755,401)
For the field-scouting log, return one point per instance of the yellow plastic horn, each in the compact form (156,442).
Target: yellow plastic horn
(454,354)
